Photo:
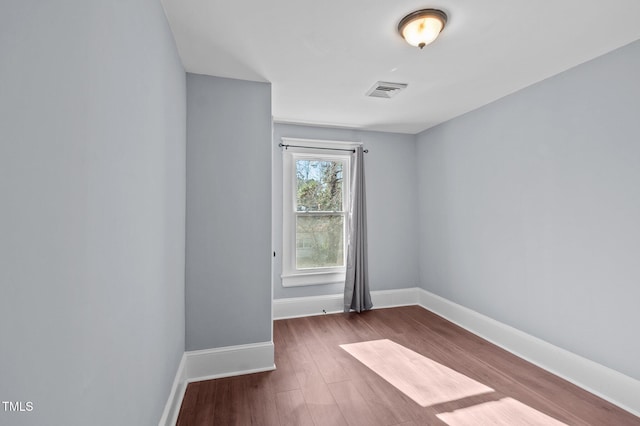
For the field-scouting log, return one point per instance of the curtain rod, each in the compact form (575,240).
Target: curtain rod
(281,145)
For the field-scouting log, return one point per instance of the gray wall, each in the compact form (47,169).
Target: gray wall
(530,210)
(391,202)
(92,189)
(228,296)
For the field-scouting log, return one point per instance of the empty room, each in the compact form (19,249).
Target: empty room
(319,213)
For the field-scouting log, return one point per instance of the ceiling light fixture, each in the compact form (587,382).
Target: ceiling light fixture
(422,26)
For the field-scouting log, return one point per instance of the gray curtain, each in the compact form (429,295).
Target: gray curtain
(356,286)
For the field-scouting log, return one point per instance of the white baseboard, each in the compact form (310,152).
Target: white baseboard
(172,407)
(213,364)
(602,381)
(297,307)
(393,298)
(229,361)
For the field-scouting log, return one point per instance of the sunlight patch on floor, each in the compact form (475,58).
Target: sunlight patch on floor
(425,381)
(507,412)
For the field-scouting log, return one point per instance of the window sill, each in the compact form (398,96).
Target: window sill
(312,278)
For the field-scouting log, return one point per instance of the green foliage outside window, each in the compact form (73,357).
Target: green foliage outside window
(319,235)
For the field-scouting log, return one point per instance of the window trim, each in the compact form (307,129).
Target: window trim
(291,276)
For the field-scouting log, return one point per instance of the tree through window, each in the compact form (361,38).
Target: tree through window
(320,213)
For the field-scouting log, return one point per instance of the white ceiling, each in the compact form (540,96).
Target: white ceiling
(322,56)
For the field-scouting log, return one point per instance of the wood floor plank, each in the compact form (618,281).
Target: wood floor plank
(360,326)
(300,331)
(392,321)
(205,403)
(344,329)
(344,365)
(292,409)
(262,401)
(506,411)
(323,327)
(304,367)
(403,407)
(279,340)
(353,405)
(325,359)
(283,378)
(231,403)
(379,402)
(425,381)
(189,406)
(322,406)
(287,333)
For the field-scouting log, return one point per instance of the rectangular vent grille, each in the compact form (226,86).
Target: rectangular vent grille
(384,89)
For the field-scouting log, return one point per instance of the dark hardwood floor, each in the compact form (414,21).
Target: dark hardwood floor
(319,383)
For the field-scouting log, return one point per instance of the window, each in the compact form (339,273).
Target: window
(316,202)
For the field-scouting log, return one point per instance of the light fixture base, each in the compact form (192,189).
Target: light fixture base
(422,27)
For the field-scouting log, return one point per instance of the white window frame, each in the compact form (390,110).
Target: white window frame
(291,276)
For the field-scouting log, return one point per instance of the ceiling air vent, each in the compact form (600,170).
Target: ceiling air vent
(384,89)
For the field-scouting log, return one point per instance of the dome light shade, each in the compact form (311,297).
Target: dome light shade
(422,26)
